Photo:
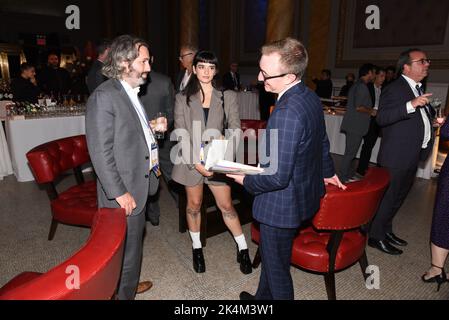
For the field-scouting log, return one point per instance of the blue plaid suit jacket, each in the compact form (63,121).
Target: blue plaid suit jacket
(292,192)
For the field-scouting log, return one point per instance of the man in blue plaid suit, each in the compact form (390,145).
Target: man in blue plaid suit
(289,190)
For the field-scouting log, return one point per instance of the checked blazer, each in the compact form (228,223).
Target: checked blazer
(290,192)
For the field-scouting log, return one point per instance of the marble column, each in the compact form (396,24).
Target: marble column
(189,22)
(280,19)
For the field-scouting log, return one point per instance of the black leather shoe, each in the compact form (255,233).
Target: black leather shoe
(391,237)
(384,246)
(245,261)
(246,296)
(198,261)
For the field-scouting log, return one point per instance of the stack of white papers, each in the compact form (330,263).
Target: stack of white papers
(224,166)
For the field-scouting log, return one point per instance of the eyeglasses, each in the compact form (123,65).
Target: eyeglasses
(265,78)
(186,54)
(421,61)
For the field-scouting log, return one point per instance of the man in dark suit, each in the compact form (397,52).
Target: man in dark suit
(324,85)
(95,77)
(405,117)
(370,138)
(356,120)
(157,95)
(186,55)
(124,151)
(231,79)
(289,190)
(53,79)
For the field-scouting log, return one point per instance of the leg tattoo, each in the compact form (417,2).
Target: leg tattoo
(231,214)
(193,213)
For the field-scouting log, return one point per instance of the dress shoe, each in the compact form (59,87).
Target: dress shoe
(246,296)
(245,261)
(439,278)
(384,246)
(391,237)
(144,286)
(155,221)
(198,261)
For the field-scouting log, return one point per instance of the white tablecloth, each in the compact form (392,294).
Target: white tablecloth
(248,105)
(23,135)
(5,159)
(337,142)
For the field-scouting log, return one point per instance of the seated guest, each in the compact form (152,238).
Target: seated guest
(324,84)
(350,77)
(53,79)
(231,79)
(95,77)
(25,88)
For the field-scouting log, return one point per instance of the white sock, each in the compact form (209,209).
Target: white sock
(241,242)
(196,242)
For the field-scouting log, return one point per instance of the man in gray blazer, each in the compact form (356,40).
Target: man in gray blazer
(123,150)
(356,120)
(157,95)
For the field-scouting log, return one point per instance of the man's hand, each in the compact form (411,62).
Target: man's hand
(127,202)
(237,178)
(421,100)
(201,169)
(334,181)
(373,112)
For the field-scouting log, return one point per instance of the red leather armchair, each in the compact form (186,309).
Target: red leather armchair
(77,205)
(99,263)
(335,240)
(251,130)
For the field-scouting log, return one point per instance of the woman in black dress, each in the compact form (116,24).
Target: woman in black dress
(440,223)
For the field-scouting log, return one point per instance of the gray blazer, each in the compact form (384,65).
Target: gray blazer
(354,121)
(185,115)
(117,147)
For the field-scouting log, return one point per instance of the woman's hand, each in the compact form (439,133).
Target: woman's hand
(201,169)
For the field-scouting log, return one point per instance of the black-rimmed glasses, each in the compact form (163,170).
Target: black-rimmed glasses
(421,61)
(265,78)
(184,55)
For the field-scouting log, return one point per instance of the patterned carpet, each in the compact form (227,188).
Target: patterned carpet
(25,219)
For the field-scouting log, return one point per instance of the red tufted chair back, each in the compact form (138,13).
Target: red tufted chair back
(336,241)
(49,160)
(353,207)
(99,263)
(251,132)
(78,204)
(252,124)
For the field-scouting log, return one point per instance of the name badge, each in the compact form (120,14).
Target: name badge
(154,162)
(202,161)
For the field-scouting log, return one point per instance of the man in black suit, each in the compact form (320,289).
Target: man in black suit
(324,84)
(157,95)
(405,117)
(370,139)
(95,76)
(231,79)
(186,55)
(54,80)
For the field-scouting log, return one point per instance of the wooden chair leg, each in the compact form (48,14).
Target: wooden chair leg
(329,279)
(363,262)
(256,261)
(53,226)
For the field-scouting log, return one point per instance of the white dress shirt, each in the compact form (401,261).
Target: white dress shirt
(410,109)
(185,80)
(377,92)
(288,87)
(133,95)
